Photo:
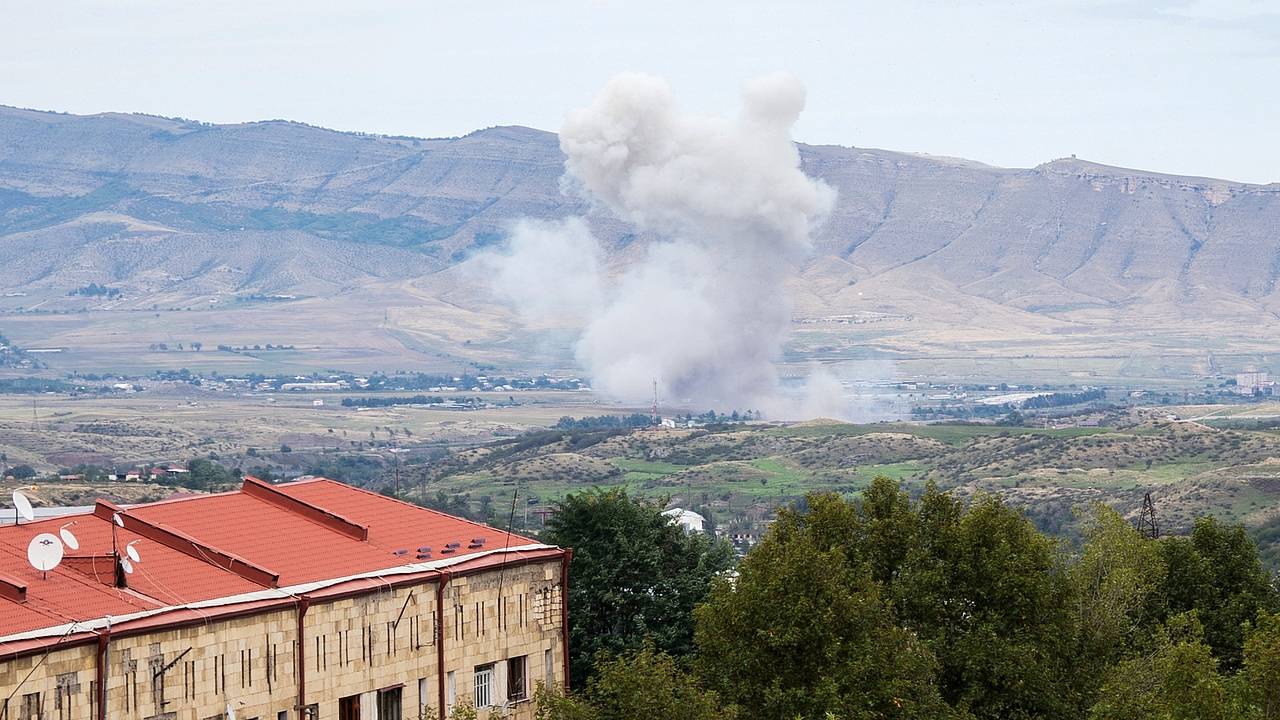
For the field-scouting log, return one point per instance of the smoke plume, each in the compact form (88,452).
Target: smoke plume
(706,312)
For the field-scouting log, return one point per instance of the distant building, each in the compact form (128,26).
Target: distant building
(294,386)
(691,521)
(1254,382)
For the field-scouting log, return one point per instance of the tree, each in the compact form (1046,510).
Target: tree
(803,631)
(22,472)
(1217,573)
(635,575)
(206,474)
(1259,681)
(642,684)
(989,595)
(1178,680)
(1114,580)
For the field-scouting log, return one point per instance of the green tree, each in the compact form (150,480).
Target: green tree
(1217,573)
(206,474)
(990,596)
(636,576)
(1118,573)
(643,684)
(1178,680)
(22,472)
(803,631)
(1259,680)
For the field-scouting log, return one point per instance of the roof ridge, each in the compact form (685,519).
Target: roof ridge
(324,517)
(182,542)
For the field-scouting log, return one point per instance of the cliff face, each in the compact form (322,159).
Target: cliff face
(176,209)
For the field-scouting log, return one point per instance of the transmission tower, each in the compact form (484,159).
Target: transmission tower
(1147,524)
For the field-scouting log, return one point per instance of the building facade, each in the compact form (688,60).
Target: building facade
(308,600)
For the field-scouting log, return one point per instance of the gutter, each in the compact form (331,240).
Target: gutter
(440,671)
(104,638)
(304,602)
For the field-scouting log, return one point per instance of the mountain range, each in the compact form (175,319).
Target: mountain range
(261,224)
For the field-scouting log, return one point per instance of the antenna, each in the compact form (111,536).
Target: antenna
(44,552)
(1147,524)
(653,415)
(67,538)
(22,508)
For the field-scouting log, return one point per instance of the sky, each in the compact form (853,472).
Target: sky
(1178,86)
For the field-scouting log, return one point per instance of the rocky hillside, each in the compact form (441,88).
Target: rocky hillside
(941,252)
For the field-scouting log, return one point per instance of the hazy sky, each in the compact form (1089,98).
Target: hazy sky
(1182,86)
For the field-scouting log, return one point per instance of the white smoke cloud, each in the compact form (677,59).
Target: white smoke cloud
(706,312)
(549,272)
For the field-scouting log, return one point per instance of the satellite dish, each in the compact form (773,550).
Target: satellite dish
(67,538)
(115,518)
(23,506)
(44,552)
(128,566)
(132,552)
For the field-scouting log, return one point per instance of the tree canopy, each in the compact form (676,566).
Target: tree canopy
(636,576)
(889,606)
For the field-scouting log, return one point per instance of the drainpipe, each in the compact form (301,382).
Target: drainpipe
(564,610)
(440,672)
(304,602)
(104,637)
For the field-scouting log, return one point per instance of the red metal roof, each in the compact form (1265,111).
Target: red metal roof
(206,547)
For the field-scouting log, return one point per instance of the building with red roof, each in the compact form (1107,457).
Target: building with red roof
(310,600)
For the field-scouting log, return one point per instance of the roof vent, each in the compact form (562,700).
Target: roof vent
(400,553)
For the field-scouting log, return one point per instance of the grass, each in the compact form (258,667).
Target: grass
(955,435)
(647,467)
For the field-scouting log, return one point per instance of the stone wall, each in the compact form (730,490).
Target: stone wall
(354,647)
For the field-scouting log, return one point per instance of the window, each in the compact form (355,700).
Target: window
(548,670)
(389,704)
(422,697)
(484,685)
(282,715)
(349,708)
(31,707)
(451,691)
(515,679)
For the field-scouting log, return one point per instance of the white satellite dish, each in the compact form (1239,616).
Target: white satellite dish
(132,552)
(23,506)
(128,566)
(67,538)
(115,518)
(44,552)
